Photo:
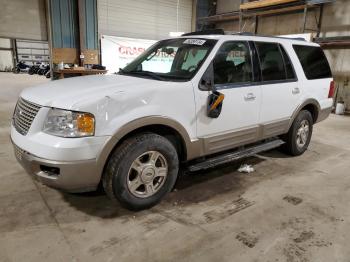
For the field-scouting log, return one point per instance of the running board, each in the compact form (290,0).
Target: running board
(236,155)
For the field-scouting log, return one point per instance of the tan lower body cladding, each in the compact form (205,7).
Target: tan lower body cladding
(229,140)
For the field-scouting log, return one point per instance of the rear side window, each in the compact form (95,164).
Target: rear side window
(271,61)
(313,61)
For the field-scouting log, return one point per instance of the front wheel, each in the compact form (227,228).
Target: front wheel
(299,135)
(141,171)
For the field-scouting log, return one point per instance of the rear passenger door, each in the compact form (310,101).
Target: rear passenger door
(280,88)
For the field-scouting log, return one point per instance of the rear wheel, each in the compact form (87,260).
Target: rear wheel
(299,135)
(141,171)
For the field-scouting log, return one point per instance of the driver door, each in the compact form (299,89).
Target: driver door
(238,121)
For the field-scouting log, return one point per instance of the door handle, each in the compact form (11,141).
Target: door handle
(295,90)
(249,96)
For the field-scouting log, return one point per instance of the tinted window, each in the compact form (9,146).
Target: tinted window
(232,63)
(271,61)
(288,64)
(313,61)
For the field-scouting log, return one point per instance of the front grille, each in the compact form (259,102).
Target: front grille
(24,115)
(18,152)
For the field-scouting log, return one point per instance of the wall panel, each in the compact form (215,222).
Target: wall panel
(144,18)
(23,19)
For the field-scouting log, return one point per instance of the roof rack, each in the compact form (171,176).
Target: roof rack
(206,32)
(279,37)
(222,32)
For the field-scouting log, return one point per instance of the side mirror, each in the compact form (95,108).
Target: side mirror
(214,107)
(207,81)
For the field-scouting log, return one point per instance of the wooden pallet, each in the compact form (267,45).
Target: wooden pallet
(264,3)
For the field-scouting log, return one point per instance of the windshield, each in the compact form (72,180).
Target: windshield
(171,60)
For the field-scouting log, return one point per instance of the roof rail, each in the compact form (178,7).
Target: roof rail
(206,32)
(271,36)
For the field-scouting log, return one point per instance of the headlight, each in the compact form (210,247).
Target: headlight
(69,124)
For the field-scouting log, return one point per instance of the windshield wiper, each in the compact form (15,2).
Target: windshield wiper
(144,73)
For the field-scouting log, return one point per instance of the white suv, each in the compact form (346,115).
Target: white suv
(199,100)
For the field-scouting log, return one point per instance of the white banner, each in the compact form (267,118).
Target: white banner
(117,52)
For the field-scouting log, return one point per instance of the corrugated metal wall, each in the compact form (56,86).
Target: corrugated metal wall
(23,19)
(146,19)
(65,30)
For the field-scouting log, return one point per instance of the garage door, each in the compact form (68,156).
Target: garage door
(32,52)
(147,19)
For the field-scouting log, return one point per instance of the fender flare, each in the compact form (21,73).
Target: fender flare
(307,102)
(192,148)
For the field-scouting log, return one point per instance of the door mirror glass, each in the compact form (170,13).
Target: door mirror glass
(215,100)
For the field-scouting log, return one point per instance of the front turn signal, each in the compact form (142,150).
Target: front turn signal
(86,123)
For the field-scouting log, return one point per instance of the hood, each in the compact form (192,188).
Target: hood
(70,92)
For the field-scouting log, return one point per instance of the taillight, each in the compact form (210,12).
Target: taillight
(331,90)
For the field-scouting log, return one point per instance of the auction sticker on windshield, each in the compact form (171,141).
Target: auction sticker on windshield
(194,41)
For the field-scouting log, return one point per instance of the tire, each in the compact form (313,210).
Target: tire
(131,165)
(299,135)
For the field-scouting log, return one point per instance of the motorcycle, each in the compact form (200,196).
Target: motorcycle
(34,69)
(21,67)
(43,69)
(47,72)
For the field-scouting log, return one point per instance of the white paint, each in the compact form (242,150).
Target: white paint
(307,37)
(116,100)
(6,62)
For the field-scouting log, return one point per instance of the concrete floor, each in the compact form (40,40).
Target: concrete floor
(290,209)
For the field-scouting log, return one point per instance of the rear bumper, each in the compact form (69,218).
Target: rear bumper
(71,176)
(323,114)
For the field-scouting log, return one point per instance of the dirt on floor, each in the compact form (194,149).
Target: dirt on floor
(290,209)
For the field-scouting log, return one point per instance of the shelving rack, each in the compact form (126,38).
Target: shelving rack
(256,9)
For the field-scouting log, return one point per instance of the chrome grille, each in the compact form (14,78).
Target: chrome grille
(24,115)
(18,152)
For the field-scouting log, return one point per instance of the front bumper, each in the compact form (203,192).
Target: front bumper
(71,176)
